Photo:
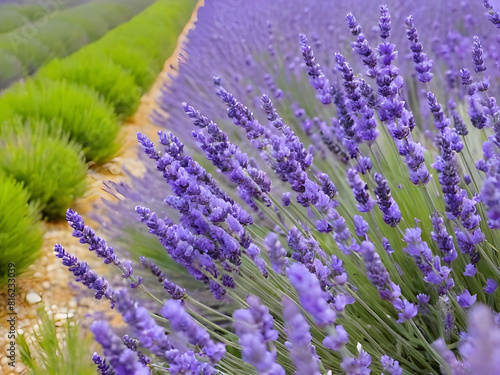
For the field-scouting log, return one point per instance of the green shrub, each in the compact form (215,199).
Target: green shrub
(83,114)
(133,58)
(63,32)
(20,228)
(50,355)
(110,80)
(10,19)
(11,69)
(94,24)
(51,167)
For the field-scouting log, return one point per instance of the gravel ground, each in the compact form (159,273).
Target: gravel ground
(47,282)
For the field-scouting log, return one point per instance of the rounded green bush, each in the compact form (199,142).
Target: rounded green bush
(93,23)
(82,113)
(10,19)
(11,69)
(51,167)
(20,228)
(133,58)
(110,80)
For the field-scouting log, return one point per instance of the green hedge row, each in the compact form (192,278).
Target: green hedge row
(54,32)
(20,228)
(69,113)
(13,16)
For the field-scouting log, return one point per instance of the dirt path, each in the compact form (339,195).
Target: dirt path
(47,282)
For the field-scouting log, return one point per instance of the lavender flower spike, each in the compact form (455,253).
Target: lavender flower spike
(477,56)
(466,299)
(481,347)
(423,65)
(123,360)
(390,365)
(385,22)
(359,189)
(150,334)
(390,209)
(316,76)
(310,294)
(85,275)
(182,322)
(493,15)
(254,328)
(302,352)
(88,236)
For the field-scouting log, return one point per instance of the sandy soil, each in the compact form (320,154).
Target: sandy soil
(47,277)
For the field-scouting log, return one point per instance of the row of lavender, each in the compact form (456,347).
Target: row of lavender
(69,114)
(351,224)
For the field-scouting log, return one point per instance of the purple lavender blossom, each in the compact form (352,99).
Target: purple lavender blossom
(181,322)
(375,269)
(423,298)
(466,299)
(490,196)
(133,345)
(408,312)
(150,335)
(254,328)
(338,341)
(359,189)
(277,254)
(102,366)
(175,291)
(457,367)
(360,225)
(491,286)
(299,339)
(285,199)
(121,359)
(310,294)
(85,275)
(88,236)
(390,365)
(385,22)
(316,76)
(423,65)
(480,349)
(361,46)
(470,270)
(493,15)
(443,240)
(357,366)
(390,209)
(477,56)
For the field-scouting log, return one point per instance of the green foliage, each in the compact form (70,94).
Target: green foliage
(36,35)
(20,230)
(142,45)
(49,355)
(11,67)
(51,167)
(101,74)
(10,19)
(134,59)
(83,114)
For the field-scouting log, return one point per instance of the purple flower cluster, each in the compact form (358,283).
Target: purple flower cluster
(302,353)
(85,275)
(181,322)
(254,328)
(122,360)
(316,76)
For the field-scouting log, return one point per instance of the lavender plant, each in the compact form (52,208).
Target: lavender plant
(350,223)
